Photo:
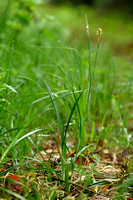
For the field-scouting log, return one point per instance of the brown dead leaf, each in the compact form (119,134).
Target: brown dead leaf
(13,186)
(104,188)
(131,125)
(2,169)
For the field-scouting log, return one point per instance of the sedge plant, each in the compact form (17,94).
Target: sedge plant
(46,89)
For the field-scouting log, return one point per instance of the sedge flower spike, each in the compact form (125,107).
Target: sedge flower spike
(99,33)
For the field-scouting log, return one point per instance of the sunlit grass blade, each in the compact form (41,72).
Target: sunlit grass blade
(16,141)
(55,106)
(89,80)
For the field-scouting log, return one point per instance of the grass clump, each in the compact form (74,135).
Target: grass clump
(63,111)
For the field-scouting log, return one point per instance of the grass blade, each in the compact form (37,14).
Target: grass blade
(12,193)
(16,141)
(55,106)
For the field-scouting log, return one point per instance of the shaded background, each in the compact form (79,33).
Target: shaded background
(105,5)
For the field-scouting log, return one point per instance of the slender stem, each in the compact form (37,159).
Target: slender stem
(97,50)
(89,60)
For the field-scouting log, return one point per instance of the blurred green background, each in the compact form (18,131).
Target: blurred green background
(36,39)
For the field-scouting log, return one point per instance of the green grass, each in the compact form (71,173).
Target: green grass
(56,87)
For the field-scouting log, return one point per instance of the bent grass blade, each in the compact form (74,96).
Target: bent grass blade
(16,141)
